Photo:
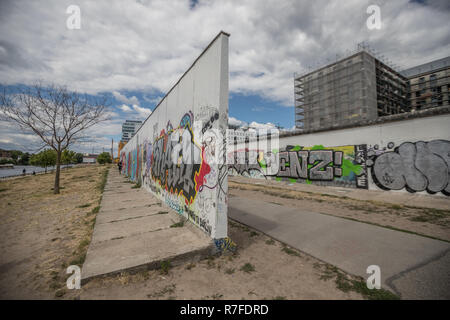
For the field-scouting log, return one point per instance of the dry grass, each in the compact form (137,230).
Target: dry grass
(42,233)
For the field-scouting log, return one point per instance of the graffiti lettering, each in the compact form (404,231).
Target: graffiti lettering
(415,166)
(342,165)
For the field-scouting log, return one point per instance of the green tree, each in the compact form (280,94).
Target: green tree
(79,157)
(67,157)
(24,159)
(15,155)
(44,159)
(104,157)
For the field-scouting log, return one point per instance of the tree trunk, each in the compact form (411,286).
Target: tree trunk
(58,161)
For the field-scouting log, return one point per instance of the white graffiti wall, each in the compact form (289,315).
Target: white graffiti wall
(411,155)
(174,153)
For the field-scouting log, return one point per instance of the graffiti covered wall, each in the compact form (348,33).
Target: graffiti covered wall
(339,166)
(174,153)
(408,155)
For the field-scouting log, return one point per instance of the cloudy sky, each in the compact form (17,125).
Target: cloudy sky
(134,51)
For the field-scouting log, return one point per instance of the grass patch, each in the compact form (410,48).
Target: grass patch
(279,298)
(254,234)
(165,267)
(290,252)
(102,184)
(83,244)
(84,205)
(356,284)
(79,177)
(248,267)
(95,210)
(190,266)
(166,290)
(217,296)
(210,262)
(59,293)
(3,189)
(178,224)
(432,216)
(270,242)
(79,260)
(239,226)
(136,186)
(229,270)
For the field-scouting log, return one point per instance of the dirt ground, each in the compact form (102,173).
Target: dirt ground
(434,223)
(262,268)
(42,233)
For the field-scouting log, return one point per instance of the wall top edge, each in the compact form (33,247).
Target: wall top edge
(182,76)
(397,117)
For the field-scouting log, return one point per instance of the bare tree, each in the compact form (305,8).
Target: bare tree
(55,114)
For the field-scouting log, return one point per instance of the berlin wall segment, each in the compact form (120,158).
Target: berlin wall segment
(178,153)
(422,165)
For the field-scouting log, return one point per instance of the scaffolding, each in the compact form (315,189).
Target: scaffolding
(353,89)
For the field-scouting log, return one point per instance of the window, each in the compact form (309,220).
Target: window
(421,83)
(433,80)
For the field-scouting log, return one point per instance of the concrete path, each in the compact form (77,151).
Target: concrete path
(437,201)
(133,232)
(412,266)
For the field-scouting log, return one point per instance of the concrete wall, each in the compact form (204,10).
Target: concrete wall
(409,155)
(172,153)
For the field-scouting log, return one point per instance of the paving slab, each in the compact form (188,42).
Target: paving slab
(134,231)
(412,266)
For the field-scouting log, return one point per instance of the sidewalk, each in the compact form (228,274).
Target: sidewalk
(438,201)
(133,232)
(412,266)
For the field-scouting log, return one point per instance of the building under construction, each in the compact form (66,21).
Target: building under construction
(356,88)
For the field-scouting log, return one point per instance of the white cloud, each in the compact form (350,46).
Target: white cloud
(251,126)
(136,110)
(124,99)
(235,122)
(144,112)
(258,126)
(125,108)
(143,45)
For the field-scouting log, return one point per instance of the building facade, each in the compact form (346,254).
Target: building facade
(429,84)
(353,89)
(129,128)
(90,158)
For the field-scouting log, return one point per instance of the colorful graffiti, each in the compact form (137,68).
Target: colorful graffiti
(412,166)
(418,166)
(177,162)
(177,169)
(344,164)
(225,244)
